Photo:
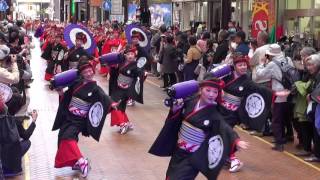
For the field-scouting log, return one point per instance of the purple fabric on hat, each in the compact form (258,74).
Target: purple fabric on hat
(110,58)
(221,71)
(184,89)
(78,28)
(65,78)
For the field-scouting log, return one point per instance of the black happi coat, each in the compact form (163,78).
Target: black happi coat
(166,142)
(71,125)
(74,54)
(243,87)
(54,54)
(135,91)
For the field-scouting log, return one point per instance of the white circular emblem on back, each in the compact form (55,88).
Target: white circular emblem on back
(215,151)
(206,122)
(95,114)
(137,86)
(60,55)
(141,62)
(254,105)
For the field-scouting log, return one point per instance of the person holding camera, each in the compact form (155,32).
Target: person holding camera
(268,70)
(9,72)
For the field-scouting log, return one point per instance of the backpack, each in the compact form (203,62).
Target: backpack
(289,74)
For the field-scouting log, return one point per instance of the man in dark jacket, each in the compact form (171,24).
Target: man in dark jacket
(242,47)
(168,58)
(222,49)
(11,154)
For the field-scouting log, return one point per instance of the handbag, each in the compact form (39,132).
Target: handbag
(200,70)
(8,130)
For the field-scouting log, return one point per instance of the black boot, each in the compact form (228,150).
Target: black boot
(278,147)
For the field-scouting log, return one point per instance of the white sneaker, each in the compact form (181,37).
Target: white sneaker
(84,167)
(236,165)
(124,129)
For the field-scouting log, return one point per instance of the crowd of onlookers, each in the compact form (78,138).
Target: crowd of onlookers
(177,54)
(15,79)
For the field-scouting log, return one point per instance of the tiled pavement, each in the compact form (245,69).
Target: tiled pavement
(125,157)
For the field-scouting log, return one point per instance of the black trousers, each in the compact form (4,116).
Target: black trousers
(180,167)
(12,155)
(288,121)
(169,79)
(306,131)
(280,112)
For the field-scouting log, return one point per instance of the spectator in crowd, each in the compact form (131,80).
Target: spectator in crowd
(268,70)
(302,126)
(156,45)
(209,52)
(313,67)
(222,49)
(12,153)
(242,47)
(259,53)
(232,45)
(182,46)
(8,75)
(193,56)
(169,58)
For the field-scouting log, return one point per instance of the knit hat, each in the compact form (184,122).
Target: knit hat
(4,51)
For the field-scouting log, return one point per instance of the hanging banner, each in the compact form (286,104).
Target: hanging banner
(260,17)
(272,21)
(161,14)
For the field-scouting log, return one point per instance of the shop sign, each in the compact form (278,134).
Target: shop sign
(106,5)
(116,7)
(96,3)
(3,6)
(259,17)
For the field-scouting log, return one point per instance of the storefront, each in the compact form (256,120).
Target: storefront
(96,10)
(160,12)
(190,13)
(292,16)
(302,17)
